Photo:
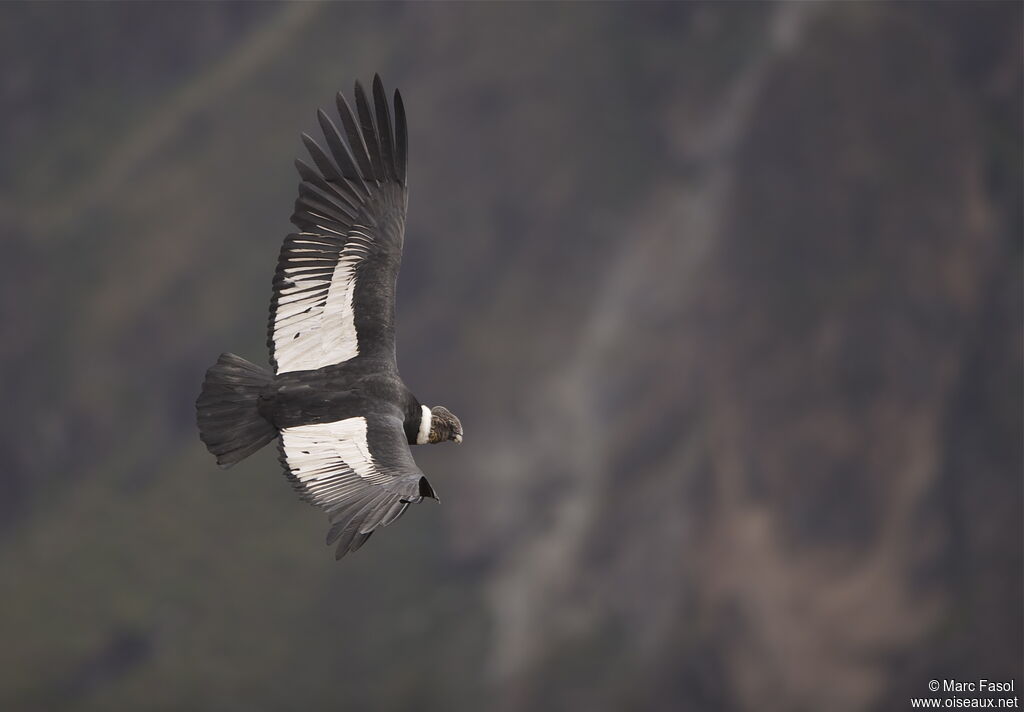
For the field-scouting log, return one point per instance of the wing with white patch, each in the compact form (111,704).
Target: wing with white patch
(359,470)
(334,289)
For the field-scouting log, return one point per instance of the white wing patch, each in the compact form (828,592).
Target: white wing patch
(314,323)
(332,467)
(331,460)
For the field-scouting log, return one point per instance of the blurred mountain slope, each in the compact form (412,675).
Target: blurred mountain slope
(727,297)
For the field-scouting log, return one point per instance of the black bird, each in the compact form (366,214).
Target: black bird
(343,417)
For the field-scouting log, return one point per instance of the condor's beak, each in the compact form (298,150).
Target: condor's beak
(458,438)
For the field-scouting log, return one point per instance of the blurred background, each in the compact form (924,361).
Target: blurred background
(728,298)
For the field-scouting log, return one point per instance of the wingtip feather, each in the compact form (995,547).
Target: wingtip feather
(385,131)
(369,130)
(355,137)
(401,140)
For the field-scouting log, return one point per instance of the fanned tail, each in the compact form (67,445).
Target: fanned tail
(227,410)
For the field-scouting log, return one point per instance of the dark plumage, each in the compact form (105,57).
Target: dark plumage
(342,414)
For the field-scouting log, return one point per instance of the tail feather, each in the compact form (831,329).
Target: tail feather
(227,410)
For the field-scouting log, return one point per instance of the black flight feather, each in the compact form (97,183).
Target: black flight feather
(341,154)
(355,138)
(321,191)
(320,159)
(394,513)
(339,192)
(374,517)
(401,140)
(353,523)
(324,205)
(369,131)
(384,132)
(355,545)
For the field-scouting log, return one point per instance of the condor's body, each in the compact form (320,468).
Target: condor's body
(338,392)
(343,417)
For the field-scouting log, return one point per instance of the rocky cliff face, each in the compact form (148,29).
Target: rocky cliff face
(726,296)
(755,508)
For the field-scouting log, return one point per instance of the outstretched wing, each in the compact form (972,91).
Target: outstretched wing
(334,290)
(359,470)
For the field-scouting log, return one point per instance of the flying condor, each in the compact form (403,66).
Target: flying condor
(342,415)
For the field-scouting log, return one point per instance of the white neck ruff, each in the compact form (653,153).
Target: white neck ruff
(424,434)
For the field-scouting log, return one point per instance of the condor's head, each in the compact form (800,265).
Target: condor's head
(439,425)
